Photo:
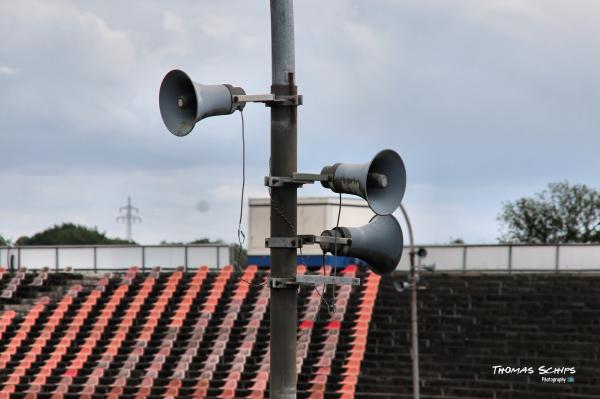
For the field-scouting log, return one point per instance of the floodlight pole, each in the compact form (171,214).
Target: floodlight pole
(414,326)
(283,375)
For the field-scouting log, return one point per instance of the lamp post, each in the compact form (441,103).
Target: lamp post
(414,326)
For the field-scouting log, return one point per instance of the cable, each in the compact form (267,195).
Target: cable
(330,310)
(240,232)
(335,259)
(337,224)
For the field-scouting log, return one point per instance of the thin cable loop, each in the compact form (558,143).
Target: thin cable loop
(240,232)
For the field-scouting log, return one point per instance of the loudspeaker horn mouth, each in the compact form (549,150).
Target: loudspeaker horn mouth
(386,182)
(379,243)
(178,103)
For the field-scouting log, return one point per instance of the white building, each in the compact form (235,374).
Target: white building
(315,214)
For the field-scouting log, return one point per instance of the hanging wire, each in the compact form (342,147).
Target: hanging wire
(240,232)
(330,305)
(335,258)
(330,309)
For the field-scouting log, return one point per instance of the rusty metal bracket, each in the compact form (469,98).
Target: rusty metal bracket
(286,101)
(270,100)
(296,180)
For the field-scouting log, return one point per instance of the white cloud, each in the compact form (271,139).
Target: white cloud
(475,95)
(172,22)
(6,70)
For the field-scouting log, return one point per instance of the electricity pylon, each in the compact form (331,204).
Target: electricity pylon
(129,218)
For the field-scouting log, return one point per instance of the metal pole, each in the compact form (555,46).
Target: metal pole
(414,353)
(218,257)
(283,203)
(143,258)
(185,254)
(95,259)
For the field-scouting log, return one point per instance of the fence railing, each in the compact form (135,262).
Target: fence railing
(514,257)
(115,257)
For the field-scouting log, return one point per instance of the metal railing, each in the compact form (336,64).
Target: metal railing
(510,257)
(99,258)
(484,257)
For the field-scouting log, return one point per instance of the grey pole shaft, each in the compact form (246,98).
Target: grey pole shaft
(283,312)
(414,352)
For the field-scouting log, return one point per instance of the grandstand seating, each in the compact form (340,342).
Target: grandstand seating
(12,286)
(469,323)
(205,334)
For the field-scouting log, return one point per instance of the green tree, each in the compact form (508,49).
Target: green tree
(240,257)
(456,241)
(165,242)
(206,241)
(196,241)
(560,214)
(69,234)
(3,241)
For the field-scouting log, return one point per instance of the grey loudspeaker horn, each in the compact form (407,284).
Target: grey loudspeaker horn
(378,243)
(382,182)
(184,102)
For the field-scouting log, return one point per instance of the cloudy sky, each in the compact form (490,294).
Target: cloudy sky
(486,101)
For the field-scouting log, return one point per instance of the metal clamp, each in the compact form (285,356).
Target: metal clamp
(311,279)
(270,99)
(283,242)
(296,180)
(282,282)
(332,240)
(289,101)
(317,279)
(304,239)
(278,181)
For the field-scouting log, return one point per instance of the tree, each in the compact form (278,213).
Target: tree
(165,242)
(3,241)
(196,241)
(206,241)
(560,214)
(69,234)
(240,257)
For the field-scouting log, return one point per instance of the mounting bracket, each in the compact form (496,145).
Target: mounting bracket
(296,180)
(311,279)
(304,239)
(270,99)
